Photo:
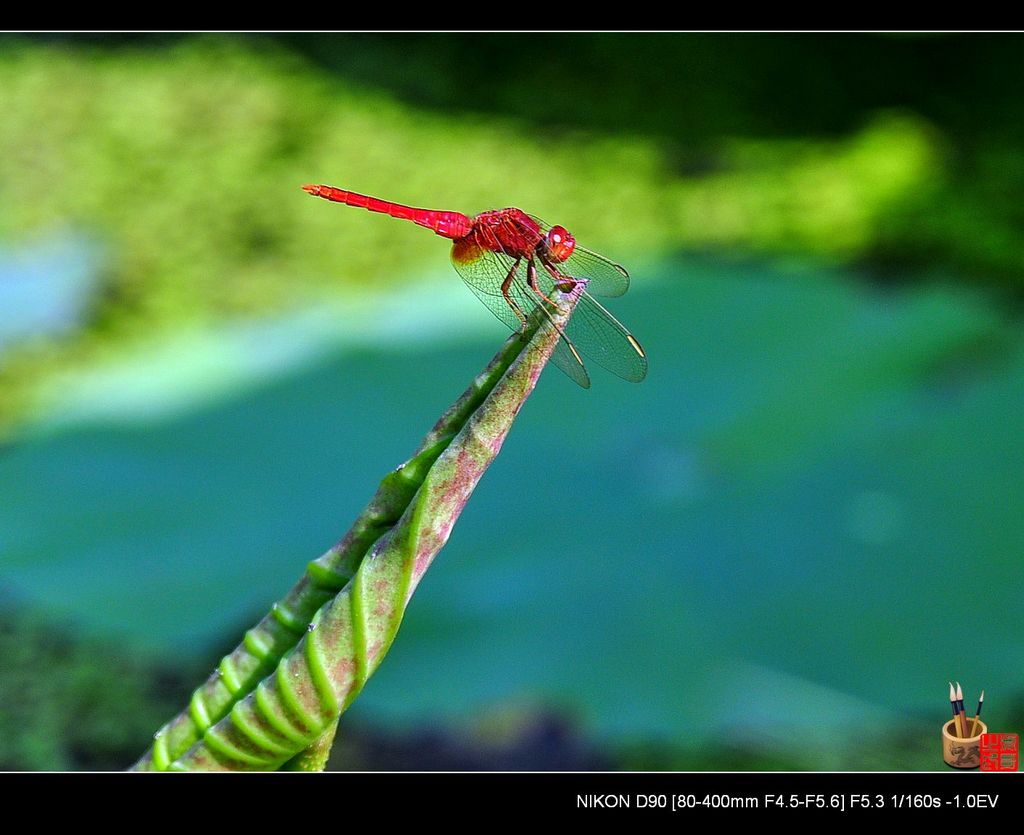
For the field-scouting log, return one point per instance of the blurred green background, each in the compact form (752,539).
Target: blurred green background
(774,553)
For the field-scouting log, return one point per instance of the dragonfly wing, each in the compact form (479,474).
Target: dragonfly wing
(484,275)
(604,277)
(598,334)
(602,338)
(569,362)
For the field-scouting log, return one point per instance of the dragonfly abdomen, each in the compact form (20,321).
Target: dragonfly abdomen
(446,224)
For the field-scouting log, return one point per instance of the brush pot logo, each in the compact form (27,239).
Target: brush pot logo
(958,752)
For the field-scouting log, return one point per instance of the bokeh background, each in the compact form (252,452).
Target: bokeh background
(774,553)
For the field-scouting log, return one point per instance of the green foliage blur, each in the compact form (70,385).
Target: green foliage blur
(74,716)
(184,157)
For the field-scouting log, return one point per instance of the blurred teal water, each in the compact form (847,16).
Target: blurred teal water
(809,513)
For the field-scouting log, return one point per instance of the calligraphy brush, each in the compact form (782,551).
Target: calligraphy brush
(963,710)
(977,716)
(956,710)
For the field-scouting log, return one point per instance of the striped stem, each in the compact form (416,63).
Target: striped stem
(303,664)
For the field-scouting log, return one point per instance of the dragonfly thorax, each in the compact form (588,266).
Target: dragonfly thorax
(509,231)
(514,233)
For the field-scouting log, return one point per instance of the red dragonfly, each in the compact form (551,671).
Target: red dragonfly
(513,262)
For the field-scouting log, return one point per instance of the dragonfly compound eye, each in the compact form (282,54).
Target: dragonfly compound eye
(560,244)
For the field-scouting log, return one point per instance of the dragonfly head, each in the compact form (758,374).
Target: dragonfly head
(559,244)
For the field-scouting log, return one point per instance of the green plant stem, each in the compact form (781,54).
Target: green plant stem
(301,666)
(314,758)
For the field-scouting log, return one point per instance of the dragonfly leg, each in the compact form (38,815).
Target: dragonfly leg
(531,279)
(563,283)
(508,298)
